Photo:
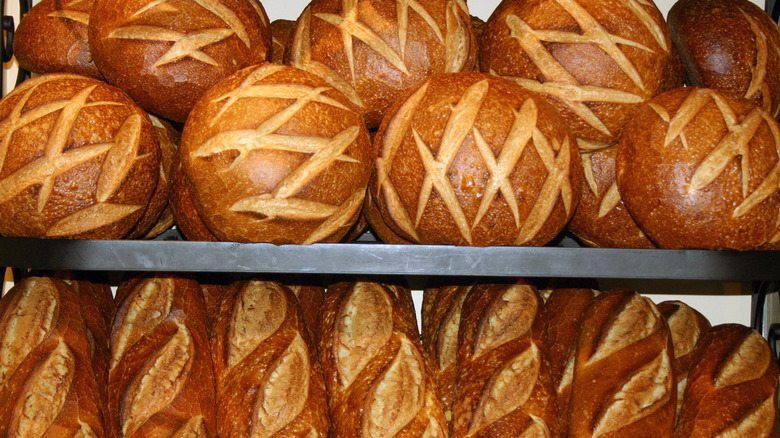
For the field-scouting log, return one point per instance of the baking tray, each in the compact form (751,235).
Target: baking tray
(367,257)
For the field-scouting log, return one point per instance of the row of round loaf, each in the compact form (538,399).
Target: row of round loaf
(257,358)
(510,175)
(501,169)
(166,55)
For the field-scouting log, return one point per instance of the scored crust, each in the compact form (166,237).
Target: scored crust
(472,159)
(166,53)
(374,50)
(700,168)
(274,154)
(80,159)
(601,218)
(595,60)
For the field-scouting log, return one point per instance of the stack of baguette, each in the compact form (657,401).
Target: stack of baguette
(267,359)
(548,115)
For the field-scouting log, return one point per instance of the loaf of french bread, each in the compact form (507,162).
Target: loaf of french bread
(47,385)
(623,383)
(161,379)
(441,312)
(565,308)
(379,380)
(269,379)
(687,325)
(732,386)
(504,385)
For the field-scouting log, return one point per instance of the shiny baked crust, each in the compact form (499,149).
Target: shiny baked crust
(700,168)
(595,60)
(274,154)
(472,159)
(80,159)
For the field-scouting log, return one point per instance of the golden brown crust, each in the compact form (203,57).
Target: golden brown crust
(730,45)
(52,38)
(97,304)
(273,154)
(81,159)
(311,298)
(379,380)
(472,159)
(46,381)
(154,221)
(269,380)
(186,217)
(375,50)
(725,152)
(281,35)
(167,54)
(565,308)
(686,325)
(732,386)
(442,308)
(542,45)
(504,386)
(601,219)
(161,376)
(623,371)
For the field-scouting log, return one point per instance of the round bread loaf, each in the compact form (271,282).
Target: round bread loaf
(473,159)
(166,53)
(157,217)
(601,219)
(729,45)
(52,38)
(699,168)
(79,159)
(595,60)
(281,34)
(186,217)
(274,154)
(373,50)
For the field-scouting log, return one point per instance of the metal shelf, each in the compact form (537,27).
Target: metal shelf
(371,258)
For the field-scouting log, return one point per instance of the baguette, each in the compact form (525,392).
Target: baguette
(379,381)
(47,386)
(732,386)
(687,325)
(565,308)
(503,386)
(269,381)
(161,379)
(442,308)
(623,382)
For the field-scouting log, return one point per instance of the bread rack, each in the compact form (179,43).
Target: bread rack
(564,258)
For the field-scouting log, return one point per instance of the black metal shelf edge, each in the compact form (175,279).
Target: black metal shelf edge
(385,259)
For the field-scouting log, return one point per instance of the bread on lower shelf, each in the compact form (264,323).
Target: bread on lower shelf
(355,366)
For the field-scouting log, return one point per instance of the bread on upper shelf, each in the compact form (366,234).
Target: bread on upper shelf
(52,38)
(166,55)
(80,160)
(700,168)
(274,154)
(473,159)
(730,45)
